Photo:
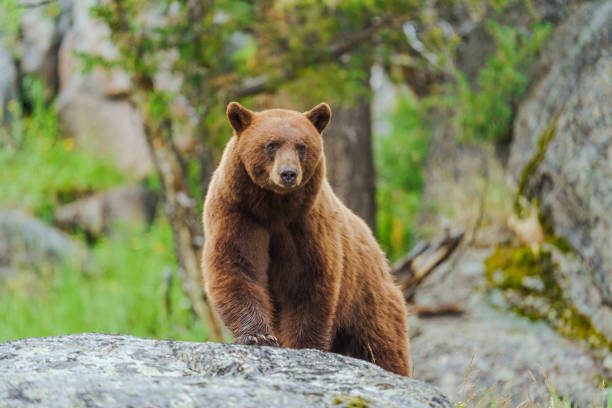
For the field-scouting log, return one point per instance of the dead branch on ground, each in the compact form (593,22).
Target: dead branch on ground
(411,270)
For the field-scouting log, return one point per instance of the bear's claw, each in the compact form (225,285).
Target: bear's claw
(258,340)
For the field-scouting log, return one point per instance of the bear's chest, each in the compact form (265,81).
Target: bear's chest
(295,263)
(283,254)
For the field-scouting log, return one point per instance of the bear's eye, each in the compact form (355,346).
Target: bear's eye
(301,148)
(271,148)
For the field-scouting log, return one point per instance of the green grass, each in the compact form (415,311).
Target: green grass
(472,394)
(124,292)
(125,287)
(400,158)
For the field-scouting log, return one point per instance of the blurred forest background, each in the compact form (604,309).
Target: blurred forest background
(489,117)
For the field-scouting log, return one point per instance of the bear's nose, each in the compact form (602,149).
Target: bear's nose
(288,175)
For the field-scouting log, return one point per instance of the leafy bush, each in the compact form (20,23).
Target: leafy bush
(486,113)
(10,19)
(40,168)
(481,113)
(399,157)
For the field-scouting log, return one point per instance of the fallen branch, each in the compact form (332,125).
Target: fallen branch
(437,311)
(411,270)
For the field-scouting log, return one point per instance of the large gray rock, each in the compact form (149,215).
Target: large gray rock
(28,244)
(98,213)
(562,152)
(8,82)
(41,33)
(106,127)
(98,370)
(94,107)
(90,36)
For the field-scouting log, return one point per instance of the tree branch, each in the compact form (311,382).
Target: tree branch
(181,212)
(180,205)
(254,86)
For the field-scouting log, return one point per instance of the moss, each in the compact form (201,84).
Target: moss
(351,401)
(545,138)
(529,286)
(560,243)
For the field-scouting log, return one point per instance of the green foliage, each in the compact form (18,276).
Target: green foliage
(41,169)
(486,113)
(127,292)
(500,5)
(10,18)
(221,48)
(400,157)
(11,12)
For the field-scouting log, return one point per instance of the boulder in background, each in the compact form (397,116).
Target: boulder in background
(561,155)
(8,82)
(96,214)
(28,244)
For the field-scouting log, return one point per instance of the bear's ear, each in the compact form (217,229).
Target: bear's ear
(320,116)
(240,117)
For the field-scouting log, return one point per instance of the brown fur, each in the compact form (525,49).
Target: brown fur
(293,263)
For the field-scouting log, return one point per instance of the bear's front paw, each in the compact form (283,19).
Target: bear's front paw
(258,340)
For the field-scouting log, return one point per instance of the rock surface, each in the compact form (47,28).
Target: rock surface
(562,151)
(98,370)
(513,356)
(28,244)
(8,82)
(98,213)
(93,108)
(41,33)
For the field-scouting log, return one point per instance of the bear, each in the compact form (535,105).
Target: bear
(285,262)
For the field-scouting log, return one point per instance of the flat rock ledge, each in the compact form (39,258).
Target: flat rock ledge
(103,370)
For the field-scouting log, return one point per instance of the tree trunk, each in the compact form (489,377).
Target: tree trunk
(182,214)
(180,204)
(350,161)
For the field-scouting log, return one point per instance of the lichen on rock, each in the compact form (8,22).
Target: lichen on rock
(529,285)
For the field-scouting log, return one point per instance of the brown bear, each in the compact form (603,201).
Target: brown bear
(285,262)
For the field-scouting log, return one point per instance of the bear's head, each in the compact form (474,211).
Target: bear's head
(280,149)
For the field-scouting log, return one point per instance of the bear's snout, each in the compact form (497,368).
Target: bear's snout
(288,175)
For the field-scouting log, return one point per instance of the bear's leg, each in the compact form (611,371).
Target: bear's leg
(305,284)
(307,326)
(392,354)
(385,334)
(379,336)
(235,264)
(348,344)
